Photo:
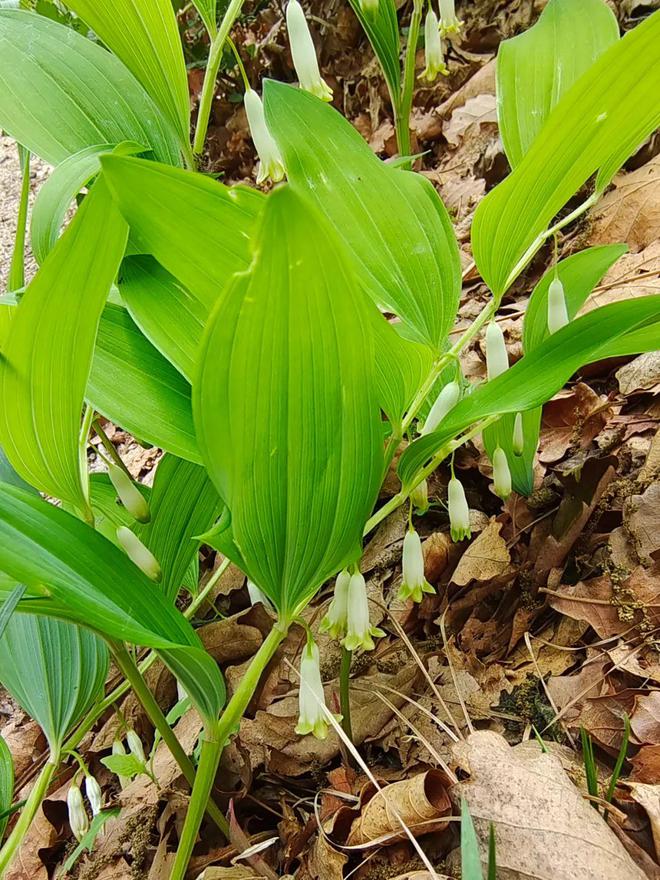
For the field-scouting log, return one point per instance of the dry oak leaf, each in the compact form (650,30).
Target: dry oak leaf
(641,374)
(648,796)
(475,111)
(487,557)
(645,720)
(544,828)
(646,764)
(630,212)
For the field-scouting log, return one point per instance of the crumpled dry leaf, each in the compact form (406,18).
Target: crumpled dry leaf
(648,796)
(642,520)
(476,111)
(234,873)
(641,374)
(487,557)
(544,828)
(646,765)
(631,276)
(630,212)
(571,419)
(645,720)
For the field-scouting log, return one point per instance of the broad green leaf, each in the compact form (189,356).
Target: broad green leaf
(54,670)
(536,68)
(207,10)
(60,189)
(145,36)
(621,328)
(198,229)
(133,385)
(9,604)
(72,572)
(48,354)
(470,855)
(579,274)
(184,504)
(285,405)
(6,784)
(392,221)
(595,127)
(382,28)
(60,92)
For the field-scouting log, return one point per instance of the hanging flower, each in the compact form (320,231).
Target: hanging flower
(138,553)
(311,698)
(433,55)
(369,7)
(444,402)
(359,631)
(420,497)
(271,164)
(335,621)
(557,312)
(501,474)
(459,512)
(118,748)
(77,815)
(497,360)
(414,584)
(257,595)
(518,440)
(449,23)
(129,494)
(304,53)
(135,746)
(94,794)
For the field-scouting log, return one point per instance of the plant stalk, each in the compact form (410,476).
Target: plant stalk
(345,692)
(404,105)
(16,278)
(28,812)
(210,76)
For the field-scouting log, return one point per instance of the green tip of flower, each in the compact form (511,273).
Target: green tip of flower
(460,534)
(414,592)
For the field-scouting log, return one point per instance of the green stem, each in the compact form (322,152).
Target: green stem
(28,812)
(345,692)
(16,278)
(109,447)
(210,76)
(404,106)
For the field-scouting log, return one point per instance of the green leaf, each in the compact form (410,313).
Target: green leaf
(501,434)
(6,784)
(60,189)
(470,856)
(9,604)
(133,385)
(536,68)
(621,328)
(145,36)
(124,765)
(207,10)
(198,229)
(382,28)
(48,354)
(74,573)
(60,92)
(285,407)
(54,670)
(595,127)
(16,278)
(392,221)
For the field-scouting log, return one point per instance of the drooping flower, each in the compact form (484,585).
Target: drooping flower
(444,402)
(94,794)
(335,621)
(449,22)
(497,360)
(359,631)
(304,53)
(518,440)
(420,497)
(413,584)
(257,595)
(557,311)
(129,494)
(135,746)
(271,164)
(433,55)
(77,815)
(459,512)
(369,7)
(118,748)
(138,553)
(501,474)
(311,698)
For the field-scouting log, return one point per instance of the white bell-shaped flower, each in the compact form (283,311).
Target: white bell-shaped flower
(557,311)
(420,497)
(78,819)
(414,583)
(433,54)
(94,794)
(518,439)
(304,53)
(311,698)
(135,746)
(335,621)
(138,553)
(449,22)
(359,631)
(459,512)
(497,360)
(501,474)
(271,164)
(118,748)
(129,494)
(444,402)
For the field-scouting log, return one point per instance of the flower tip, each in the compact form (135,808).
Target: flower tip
(139,554)
(557,311)
(303,53)
(129,494)
(518,439)
(497,359)
(459,512)
(501,474)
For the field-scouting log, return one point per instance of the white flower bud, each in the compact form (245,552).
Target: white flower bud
(459,512)
(501,474)
(369,7)
(420,497)
(94,794)
(257,595)
(135,746)
(557,312)
(497,360)
(77,816)
(413,584)
(433,55)
(335,621)
(118,748)
(271,164)
(449,23)
(138,553)
(359,631)
(304,53)
(129,494)
(444,402)
(518,440)
(311,697)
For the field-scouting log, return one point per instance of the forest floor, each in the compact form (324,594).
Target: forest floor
(545,626)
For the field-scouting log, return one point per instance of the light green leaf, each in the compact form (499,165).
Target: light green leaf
(198,229)
(60,189)
(133,385)
(621,328)
(536,68)
(382,28)
(145,36)
(207,10)
(124,765)
(286,412)
(501,434)
(6,784)
(48,354)
(392,221)
(597,124)
(470,855)
(11,601)
(16,278)
(72,572)
(60,92)
(54,670)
